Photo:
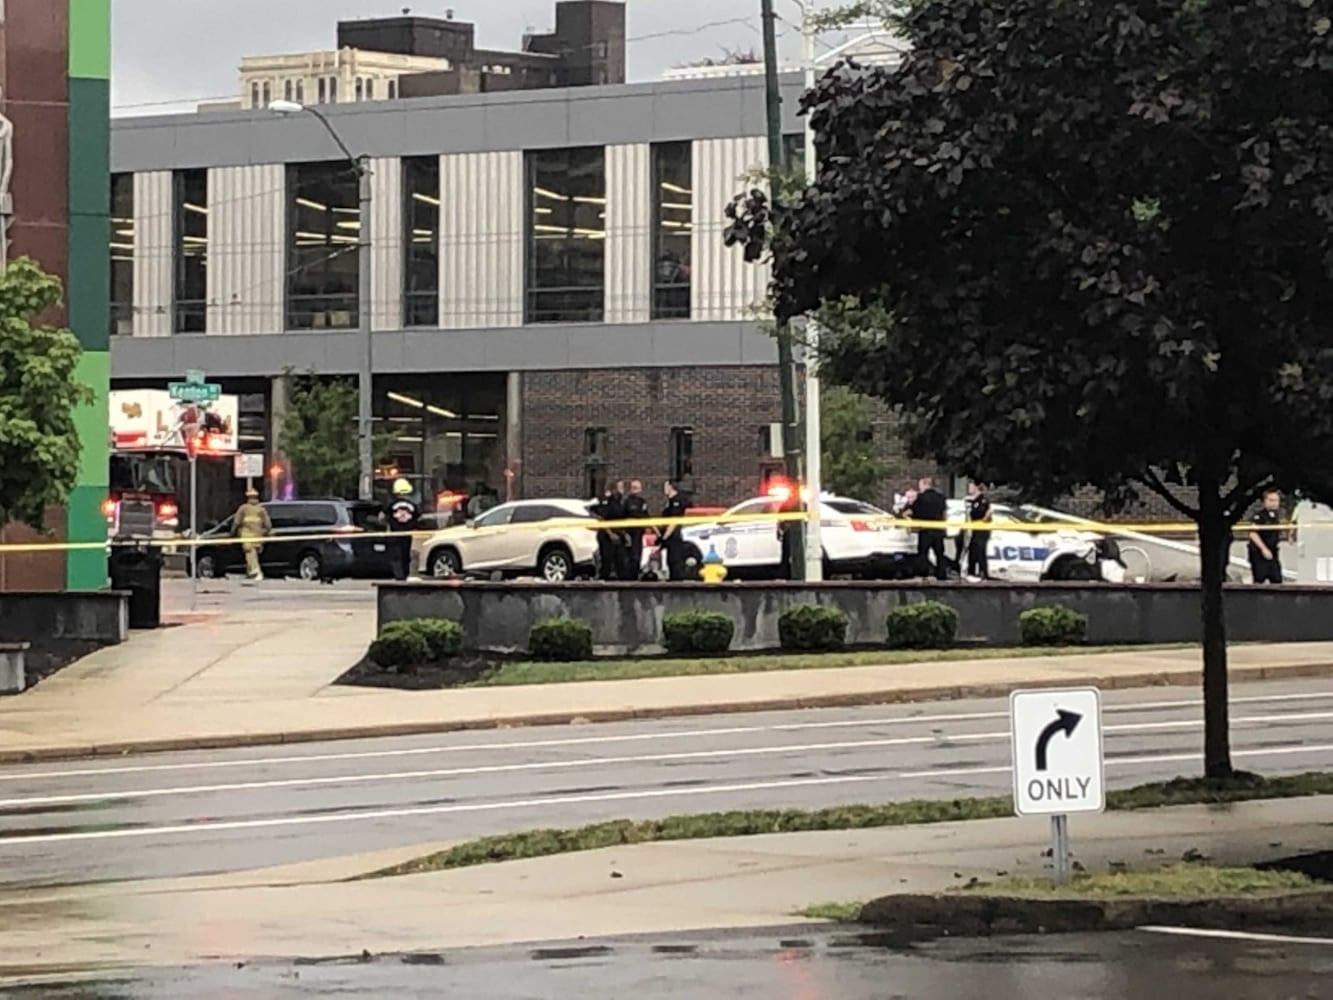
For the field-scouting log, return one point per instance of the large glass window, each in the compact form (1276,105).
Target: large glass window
(566,235)
(682,453)
(122,254)
(673,227)
(190,290)
(421,241)
(323,230)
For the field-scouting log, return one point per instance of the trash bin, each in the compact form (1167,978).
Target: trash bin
(138,571)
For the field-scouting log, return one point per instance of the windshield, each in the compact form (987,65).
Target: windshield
(143,473)
(854,507)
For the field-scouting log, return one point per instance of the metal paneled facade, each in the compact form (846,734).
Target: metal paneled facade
(724,286)
(482,228)
(247,249)
(629,228)
(386,244)
(154,232)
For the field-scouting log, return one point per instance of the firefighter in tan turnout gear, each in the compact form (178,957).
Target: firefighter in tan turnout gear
(252,522)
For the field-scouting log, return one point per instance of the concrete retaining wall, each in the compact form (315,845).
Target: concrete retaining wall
(628,619)
(61,627)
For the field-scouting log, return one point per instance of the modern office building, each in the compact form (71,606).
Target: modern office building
(552,301)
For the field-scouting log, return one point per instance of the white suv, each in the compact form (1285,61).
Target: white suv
(858,540)
(550,539)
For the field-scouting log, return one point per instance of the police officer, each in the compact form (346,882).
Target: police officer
(403,514)
(1265,563)
(930,506)
(790,504)
(636,509)
(672,541)
(978,546)
(610,508)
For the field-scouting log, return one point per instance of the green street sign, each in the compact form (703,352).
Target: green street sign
(195,392)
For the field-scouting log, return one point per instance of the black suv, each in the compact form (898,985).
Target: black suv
(353,552)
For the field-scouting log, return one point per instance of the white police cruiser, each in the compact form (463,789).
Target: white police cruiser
(1065,553)
(858,538)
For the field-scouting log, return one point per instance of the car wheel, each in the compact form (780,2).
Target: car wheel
(555,565)
(310,567)
(205,566)
(1075,570)
(444,564)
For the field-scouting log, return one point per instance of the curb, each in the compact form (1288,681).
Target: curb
(910,919)
(859,699)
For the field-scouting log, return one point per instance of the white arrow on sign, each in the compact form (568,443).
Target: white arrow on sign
(1057,746)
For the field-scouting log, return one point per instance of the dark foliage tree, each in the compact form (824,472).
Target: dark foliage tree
(1102,232)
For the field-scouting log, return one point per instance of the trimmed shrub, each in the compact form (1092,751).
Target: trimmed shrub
(400,646)
(443,637)
(687,632)
(811,628)
(560,640)
(1054,625)
(928,625)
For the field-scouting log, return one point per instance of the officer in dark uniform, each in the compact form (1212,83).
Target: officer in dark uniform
(672,541)
(1265,561)
(978,546)
(610,508)
(403,514)
(930,506)
(786,533)
(636,509)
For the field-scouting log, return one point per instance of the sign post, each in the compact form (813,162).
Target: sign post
(195,389)
(1058,766)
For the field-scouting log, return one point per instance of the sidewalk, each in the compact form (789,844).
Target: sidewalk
(265,677)
(651,888)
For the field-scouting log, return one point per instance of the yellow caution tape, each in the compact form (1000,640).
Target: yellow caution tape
(657,523)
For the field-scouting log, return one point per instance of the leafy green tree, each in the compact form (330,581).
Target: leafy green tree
(1102,230)
(850,466)
(319,435)
(39,444)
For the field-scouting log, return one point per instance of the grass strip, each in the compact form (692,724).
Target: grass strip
(524,672)
(1240,787)
(1185,881)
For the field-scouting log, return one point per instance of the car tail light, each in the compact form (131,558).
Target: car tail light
(861,526)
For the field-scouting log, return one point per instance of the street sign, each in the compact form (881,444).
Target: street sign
(1057,746)
(195,392)
(193,376)
(248,466)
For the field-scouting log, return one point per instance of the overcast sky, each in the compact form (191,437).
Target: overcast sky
(167,55)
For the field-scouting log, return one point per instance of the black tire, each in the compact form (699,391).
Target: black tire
(310,566)
(692,553)
(1075,571)
(206,566)
(444,564)
(555,564)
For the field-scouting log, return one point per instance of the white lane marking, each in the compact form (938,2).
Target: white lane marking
(907,720)
(1236,935)
(655,793)
(1132,761)
(554,765)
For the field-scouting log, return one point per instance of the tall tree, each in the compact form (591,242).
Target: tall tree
(1103,232)
(851,465)
(39,444)
(318,435)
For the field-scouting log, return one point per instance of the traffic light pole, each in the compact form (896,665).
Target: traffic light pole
(194,530)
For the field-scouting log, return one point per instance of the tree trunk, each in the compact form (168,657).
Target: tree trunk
(1214,554)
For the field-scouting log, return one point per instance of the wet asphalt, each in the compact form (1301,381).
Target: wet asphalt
(170,815)
(783,964)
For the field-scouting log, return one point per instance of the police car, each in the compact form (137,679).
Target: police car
(858,540)
(1064,553)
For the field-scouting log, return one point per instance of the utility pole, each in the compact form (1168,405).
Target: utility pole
(814,548)
(786,369)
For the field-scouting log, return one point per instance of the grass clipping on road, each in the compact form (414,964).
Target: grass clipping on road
(544,843)
(525,672)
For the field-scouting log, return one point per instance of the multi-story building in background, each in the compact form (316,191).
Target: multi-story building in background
(386,58)
(552,301)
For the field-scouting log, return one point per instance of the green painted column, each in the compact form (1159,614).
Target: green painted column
(88,290)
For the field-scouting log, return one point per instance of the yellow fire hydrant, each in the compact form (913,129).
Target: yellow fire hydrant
(713,570)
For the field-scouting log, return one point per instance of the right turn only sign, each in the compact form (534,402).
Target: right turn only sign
(1057,743)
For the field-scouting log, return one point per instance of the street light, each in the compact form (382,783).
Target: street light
(366,370)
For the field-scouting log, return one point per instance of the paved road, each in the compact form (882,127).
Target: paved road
(183,814)
(792,964)
(268,595)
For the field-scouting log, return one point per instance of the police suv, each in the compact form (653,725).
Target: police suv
(1064,553)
